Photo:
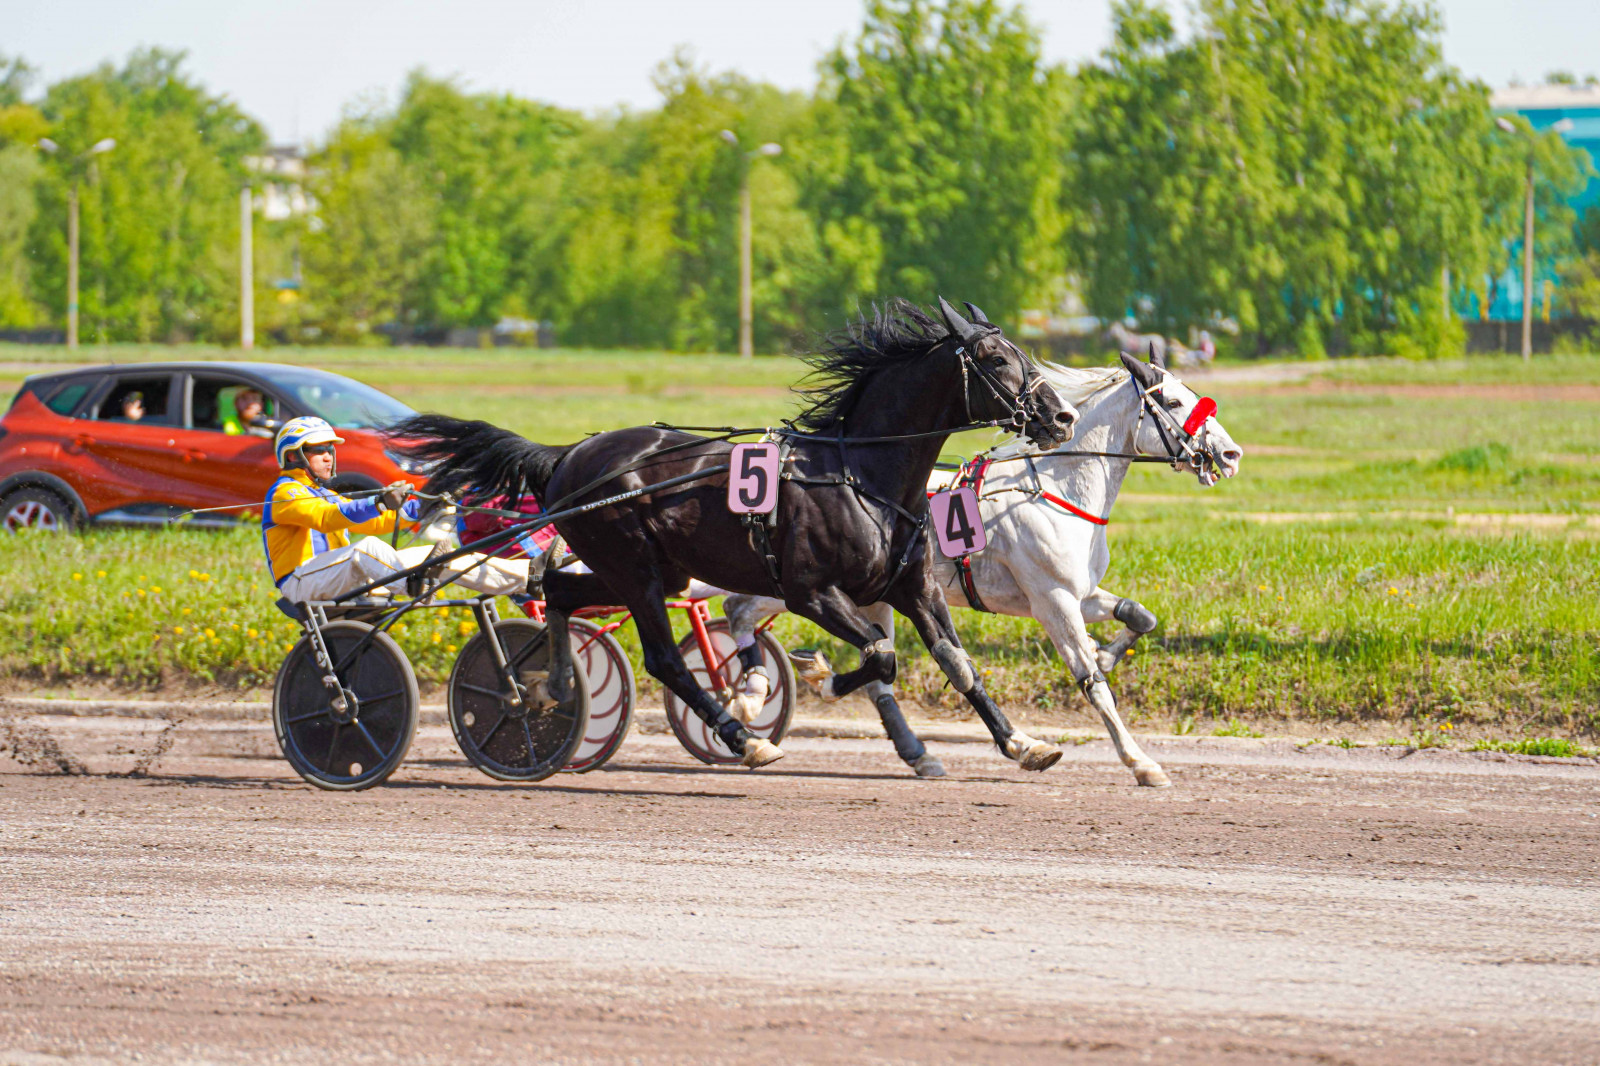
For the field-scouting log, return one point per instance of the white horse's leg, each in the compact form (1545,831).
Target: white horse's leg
(744,614)
(906,743)
(1136,619)
(1063,618)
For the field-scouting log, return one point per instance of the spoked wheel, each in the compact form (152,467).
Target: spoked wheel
(770,724)
(507,740)
(612,694)
(361,745)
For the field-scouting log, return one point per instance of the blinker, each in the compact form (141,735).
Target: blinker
(1197,418)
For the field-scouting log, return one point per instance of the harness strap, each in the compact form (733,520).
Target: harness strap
(971,476)
(1073,509)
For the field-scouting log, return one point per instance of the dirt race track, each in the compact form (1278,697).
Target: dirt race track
(1275,905)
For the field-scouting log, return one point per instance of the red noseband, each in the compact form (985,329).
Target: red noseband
(1197,418)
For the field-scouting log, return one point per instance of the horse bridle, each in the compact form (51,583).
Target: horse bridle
(1023,407)
(1178,441)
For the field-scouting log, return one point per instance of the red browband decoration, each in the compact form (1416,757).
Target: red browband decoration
(1197,418)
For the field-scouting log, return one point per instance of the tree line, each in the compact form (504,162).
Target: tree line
(1296,174)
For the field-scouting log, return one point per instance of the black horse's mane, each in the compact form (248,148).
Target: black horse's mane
(891,335)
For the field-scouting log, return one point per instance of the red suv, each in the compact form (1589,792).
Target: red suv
(137,444)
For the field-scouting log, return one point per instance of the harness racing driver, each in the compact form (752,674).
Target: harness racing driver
(306,527)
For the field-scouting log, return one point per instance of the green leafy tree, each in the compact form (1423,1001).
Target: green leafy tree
(947,171)
(21,126)
(159,215)
(1304,167)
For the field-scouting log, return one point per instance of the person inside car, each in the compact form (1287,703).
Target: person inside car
(133,407)
(306,527)
(250,416)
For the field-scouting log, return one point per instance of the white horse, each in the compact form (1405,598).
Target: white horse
(1045,515)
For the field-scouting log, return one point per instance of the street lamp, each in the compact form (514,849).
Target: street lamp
(746,312)
(47,145)
(1560,126)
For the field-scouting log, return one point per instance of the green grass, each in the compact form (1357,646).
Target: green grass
(1377,604)
(1560,747)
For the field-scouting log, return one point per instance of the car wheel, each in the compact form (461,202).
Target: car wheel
(36,508)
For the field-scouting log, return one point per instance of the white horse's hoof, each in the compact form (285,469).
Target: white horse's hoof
(928,766)
(1152,776)
(815,670)
(1032,754)
(758,752)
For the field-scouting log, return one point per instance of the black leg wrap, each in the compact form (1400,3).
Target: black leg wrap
(732,733)
(560,660)
(750,658)
(906,743)
(1135,615)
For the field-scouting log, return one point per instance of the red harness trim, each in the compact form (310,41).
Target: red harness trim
(1072,509)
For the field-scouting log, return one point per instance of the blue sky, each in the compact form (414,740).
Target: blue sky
(295,63)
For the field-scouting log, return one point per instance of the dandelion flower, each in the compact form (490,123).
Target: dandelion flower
(450,648)
(77,577)
(1393,591)
(1261,588)
(288,647)
(178,630)
(188,610)
(463,628)
(233,625)
(155,588)
(140,592)
(252,633)
(99,573)
(195,574)
(212,633)
(437,637)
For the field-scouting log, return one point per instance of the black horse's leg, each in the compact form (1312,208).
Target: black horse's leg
(906,743)
(836,613)
(662,658)
(924,605)
(565,592)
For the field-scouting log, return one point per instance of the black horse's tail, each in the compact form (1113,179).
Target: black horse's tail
(476,458)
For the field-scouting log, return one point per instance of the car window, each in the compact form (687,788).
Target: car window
(67,398)
(345,403)
(138,398)
(228,405)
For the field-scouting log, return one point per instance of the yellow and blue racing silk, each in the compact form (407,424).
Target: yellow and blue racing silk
(301,519)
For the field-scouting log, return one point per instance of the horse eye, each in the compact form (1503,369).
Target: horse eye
(1173,405)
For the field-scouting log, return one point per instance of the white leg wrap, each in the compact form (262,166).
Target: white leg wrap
(956,664)
(747,703)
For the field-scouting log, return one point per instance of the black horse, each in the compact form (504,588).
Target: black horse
(851,521)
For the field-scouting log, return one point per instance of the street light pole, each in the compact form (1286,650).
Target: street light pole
(47,145)
(1527,265)
(1560,126)
(746,300)
(72,266)
(247,292)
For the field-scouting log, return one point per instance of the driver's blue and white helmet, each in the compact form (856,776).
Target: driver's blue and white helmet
(307,429)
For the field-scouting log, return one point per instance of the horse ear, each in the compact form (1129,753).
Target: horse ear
(977,313)
(963,329)
(1158,355)
(1146,377)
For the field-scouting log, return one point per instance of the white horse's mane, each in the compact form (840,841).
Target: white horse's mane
(1076,385)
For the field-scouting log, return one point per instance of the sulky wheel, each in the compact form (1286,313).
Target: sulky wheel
(770,724)
(360,746)
(504,739)
(612,694)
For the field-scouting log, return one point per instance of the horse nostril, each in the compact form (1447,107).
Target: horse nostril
(1232,455)
(1066,418)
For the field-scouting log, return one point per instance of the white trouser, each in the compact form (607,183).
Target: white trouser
(333,573)
(698,590)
